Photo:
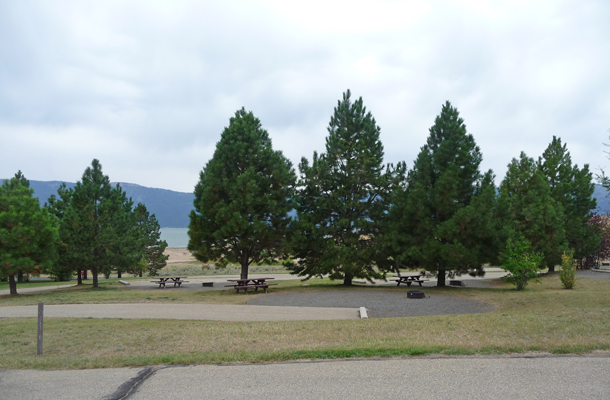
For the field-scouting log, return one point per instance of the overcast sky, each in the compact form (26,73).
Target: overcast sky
(147,87)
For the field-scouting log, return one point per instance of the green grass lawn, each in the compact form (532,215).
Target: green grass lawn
(5,286)
(542,318)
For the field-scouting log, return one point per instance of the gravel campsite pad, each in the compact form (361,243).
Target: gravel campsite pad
(379,303)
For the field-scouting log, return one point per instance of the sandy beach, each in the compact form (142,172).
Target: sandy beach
(178,255)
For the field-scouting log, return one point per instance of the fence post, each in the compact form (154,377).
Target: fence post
(39,338)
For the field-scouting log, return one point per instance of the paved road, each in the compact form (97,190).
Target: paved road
(568,377)
(216,312)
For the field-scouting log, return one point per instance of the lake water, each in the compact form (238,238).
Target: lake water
(175,237)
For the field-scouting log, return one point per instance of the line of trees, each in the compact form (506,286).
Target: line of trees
(90,227)
(28,233)
(357,217)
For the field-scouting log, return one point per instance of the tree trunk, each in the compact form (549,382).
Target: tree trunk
(347,281)
(119,274)
(244,271)
(94,273)
(85,274)
(12,284)
(551,268)
(441,278)
(140,274)
(79,277)
(20,276)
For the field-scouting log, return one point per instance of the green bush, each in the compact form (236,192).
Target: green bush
(568,271)
(61,276)
(518,259)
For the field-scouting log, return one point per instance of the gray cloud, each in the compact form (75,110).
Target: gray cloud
(147,87)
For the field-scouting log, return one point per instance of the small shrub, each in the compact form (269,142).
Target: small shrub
(568,271)
(61,276)
(518,259)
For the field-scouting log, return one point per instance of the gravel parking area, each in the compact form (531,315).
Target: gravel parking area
(379,303)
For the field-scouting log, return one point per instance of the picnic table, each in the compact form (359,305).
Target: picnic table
(250,283)
(176,280)
(409,279)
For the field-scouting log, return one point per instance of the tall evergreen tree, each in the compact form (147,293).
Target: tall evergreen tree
(125,250)
(67,264)
(242,198)
(19,178)
(149,233)
(93,218)
(96,218)
(573,188)
(443,220)
(27,232)
(526,206)
(343,200)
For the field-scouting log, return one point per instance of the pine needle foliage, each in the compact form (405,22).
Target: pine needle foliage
(97,227)
(442,221)
(526,205)
(149,235)
(242,198)
(573,188)
(343,199)
(28,233)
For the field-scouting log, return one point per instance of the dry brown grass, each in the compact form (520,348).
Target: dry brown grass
(542,318)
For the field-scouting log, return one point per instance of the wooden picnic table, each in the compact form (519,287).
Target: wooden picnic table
(176,280)
(409,279)
(250,283)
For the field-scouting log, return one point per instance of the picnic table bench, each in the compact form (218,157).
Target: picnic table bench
(409,279)
(250,283)
(176,280)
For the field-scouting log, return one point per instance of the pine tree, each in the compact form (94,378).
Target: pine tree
(19,178)
(573,189)
(66,265)
(149,233)
(125,250)
(93,219)
(27,232)
(96,218)
(242,198)
(526,206)
(343,200)
(442,221)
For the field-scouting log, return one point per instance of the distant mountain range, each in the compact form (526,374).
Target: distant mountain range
(603,202)
(172,209)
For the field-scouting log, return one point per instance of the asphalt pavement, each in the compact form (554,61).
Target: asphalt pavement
(463,378)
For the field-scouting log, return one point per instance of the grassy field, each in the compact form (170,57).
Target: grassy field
(543,318)
(111,291)
(5,286)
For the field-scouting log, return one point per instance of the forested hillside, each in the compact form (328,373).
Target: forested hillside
(171,208)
